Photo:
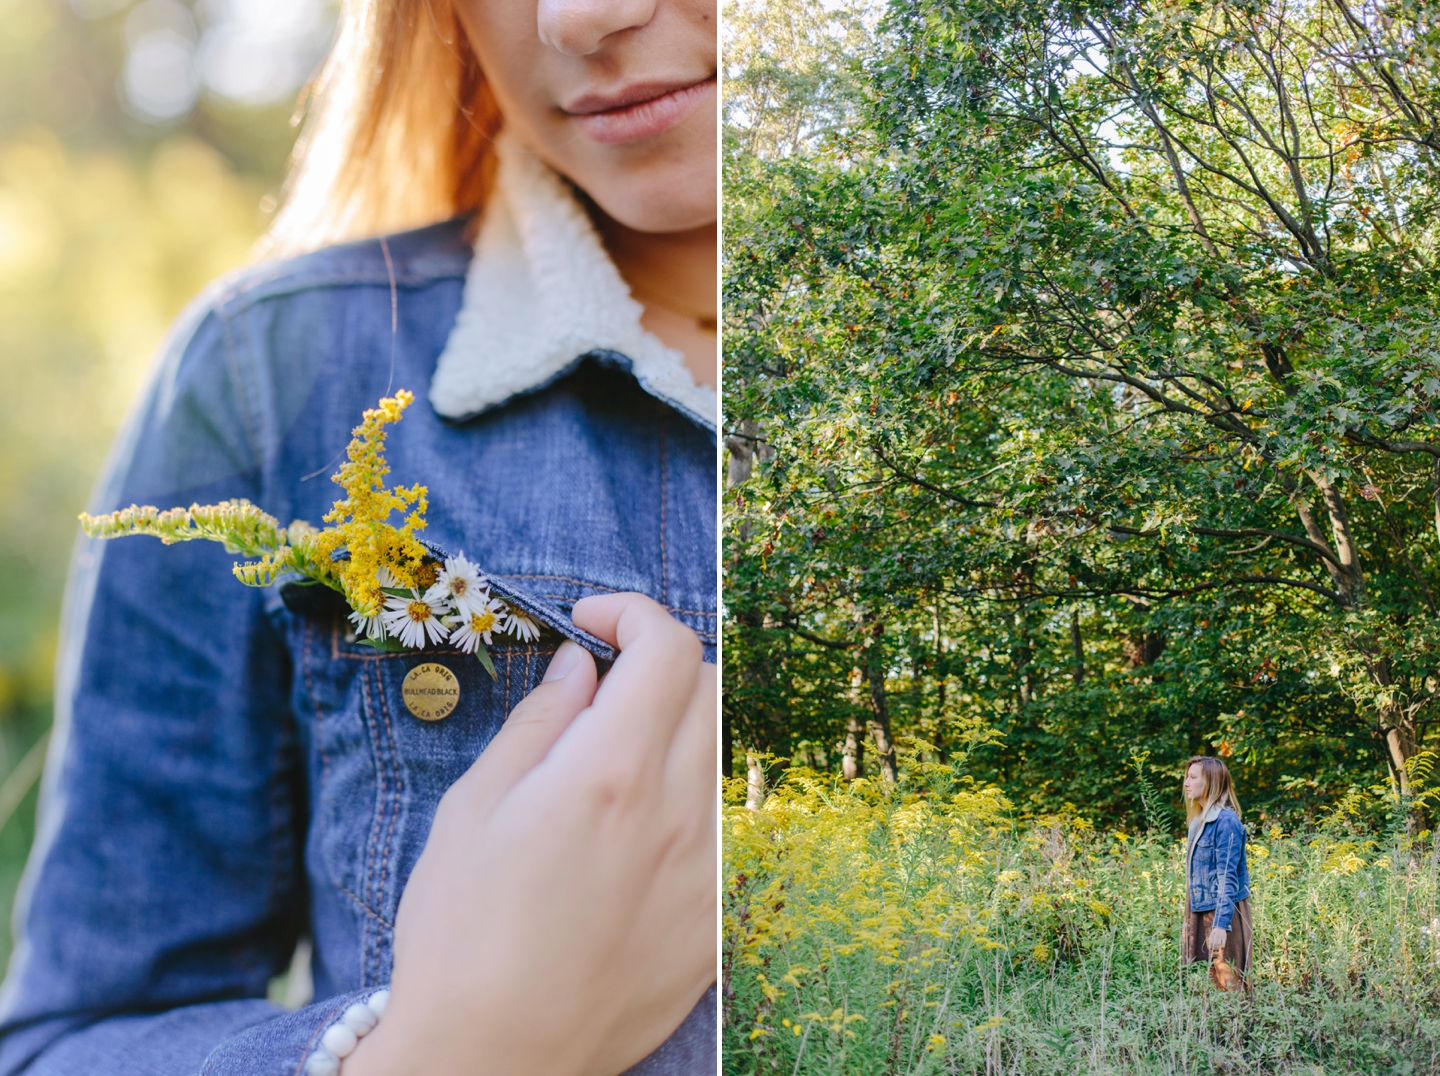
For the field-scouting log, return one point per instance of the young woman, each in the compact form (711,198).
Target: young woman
(1217,880)
(532,877)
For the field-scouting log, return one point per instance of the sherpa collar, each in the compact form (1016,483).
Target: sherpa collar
(540,293)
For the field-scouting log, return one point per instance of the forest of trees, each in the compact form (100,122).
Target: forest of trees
(1083,394)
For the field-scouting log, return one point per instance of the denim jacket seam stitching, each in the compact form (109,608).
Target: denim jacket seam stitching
(371,839)
(320,750)
(396,798)
(382,798)
(337,654)
(561,579)
(362,907)
(243,388)
(246,294)
(281,821)
(315,1037)
(307,674)
(678,612)
(710,613)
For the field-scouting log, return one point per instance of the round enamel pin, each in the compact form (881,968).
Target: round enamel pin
(431,691)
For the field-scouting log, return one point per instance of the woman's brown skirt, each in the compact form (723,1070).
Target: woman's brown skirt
(1238,939)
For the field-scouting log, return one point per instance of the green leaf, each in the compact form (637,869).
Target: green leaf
(389,646)
(484,656)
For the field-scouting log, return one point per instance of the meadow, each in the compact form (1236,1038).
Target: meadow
(935,930)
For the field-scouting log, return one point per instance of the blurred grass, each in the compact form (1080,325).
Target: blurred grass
(108,227)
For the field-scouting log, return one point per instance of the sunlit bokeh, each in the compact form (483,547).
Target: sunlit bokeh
(142,146)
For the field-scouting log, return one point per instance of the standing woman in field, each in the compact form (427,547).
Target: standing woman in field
(1217,879)
(524,883)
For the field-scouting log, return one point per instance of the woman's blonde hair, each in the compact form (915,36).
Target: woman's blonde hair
(399,129)
(1218,787)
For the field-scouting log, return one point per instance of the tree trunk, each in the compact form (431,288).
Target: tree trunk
(1144,648)
(1400,745)
(879,708)
(1343,564)
(754,783)
(741,447)
(1399,731)
(942,680)
(1024,654)
(1077,649)
(852,755)
(1436,495)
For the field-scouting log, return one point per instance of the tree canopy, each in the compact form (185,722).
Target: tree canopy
(1089,377)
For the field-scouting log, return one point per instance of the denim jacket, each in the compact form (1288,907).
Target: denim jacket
(1216,874)
(229,773)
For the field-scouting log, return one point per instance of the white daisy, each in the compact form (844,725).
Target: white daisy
(373,627)
(368,627)
(412,619)
(470,629)
(461,583)
(522,627)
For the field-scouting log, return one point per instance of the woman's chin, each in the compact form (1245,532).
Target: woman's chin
(657,201)
(666,184)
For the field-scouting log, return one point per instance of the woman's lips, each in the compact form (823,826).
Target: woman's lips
(637,114)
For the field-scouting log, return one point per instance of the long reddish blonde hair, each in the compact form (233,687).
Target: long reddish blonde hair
(1218,787)
(399,129)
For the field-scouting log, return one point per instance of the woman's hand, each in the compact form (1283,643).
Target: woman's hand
(561,920)
(1216,940)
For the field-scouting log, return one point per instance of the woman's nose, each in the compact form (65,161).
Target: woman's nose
(577,27)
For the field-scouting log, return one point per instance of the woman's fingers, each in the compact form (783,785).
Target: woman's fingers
(648,690)
(532,728)
(691,763)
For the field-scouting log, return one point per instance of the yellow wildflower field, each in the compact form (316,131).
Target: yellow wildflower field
(935,930)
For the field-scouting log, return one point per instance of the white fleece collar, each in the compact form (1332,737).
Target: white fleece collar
(540,293)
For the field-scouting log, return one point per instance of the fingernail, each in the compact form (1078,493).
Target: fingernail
(566,660)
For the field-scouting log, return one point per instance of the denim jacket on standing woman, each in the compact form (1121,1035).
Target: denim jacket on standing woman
(1217,874)
(229,773)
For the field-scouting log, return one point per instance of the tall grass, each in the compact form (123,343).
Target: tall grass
(935,932)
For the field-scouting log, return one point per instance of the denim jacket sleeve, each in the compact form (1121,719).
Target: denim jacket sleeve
(1229,848)
(166,885)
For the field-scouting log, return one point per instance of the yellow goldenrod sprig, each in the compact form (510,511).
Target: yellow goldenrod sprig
(386,575)
(362,517)
(242,527)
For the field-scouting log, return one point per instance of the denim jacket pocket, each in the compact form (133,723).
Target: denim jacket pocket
(378,769)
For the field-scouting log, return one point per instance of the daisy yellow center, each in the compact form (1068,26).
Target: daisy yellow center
(419,611)
(459,586)
(482,622)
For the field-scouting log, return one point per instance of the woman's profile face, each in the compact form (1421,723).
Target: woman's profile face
(617,95)
(1194,782)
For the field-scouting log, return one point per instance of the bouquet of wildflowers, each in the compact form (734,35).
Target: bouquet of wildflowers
(403,594)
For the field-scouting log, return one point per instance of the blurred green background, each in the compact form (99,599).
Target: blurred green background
(142,145)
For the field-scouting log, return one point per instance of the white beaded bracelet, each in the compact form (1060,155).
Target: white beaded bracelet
(341,1037)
